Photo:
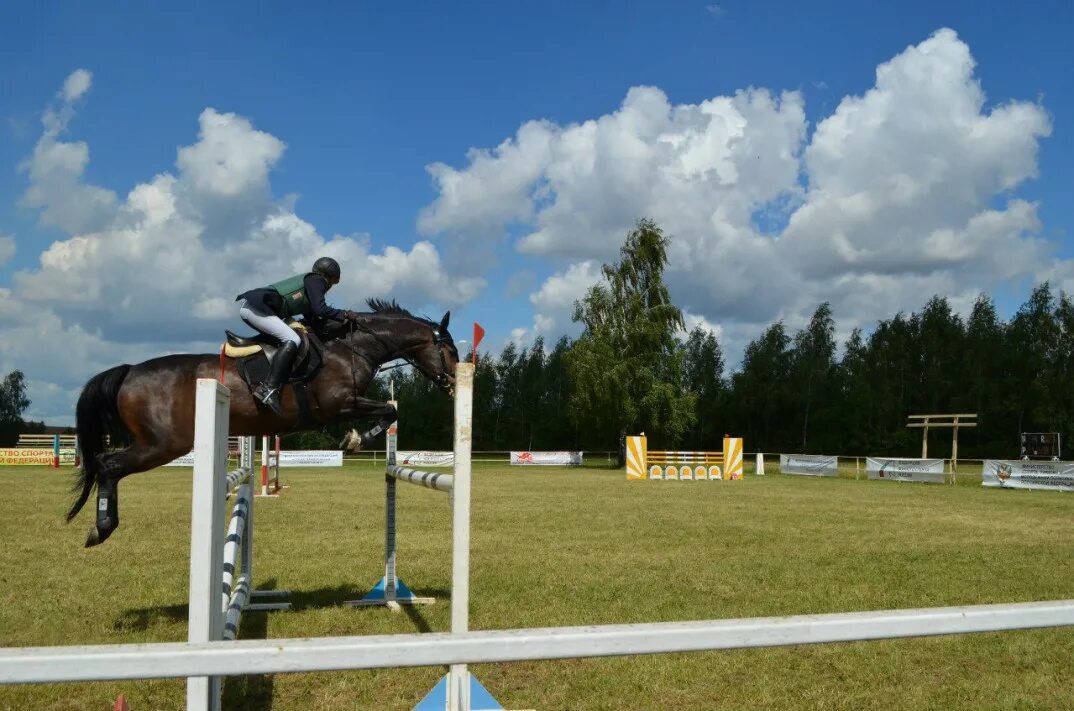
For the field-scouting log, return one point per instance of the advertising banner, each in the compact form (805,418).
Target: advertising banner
(895,469)
(547,459)
(424,459)
(809,464)
(312,458)
(187,460)
(1015,474)
(19,456)
(24,456)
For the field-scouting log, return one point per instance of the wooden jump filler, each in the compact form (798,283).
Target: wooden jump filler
(952,421)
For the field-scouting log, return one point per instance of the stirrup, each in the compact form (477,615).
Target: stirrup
(270,397)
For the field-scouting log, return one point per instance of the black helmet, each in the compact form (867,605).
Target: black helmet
(327,267)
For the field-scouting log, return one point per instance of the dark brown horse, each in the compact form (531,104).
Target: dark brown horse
(153,402)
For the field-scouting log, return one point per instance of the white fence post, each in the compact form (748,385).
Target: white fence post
(760,465)
(459,683)
(206,618)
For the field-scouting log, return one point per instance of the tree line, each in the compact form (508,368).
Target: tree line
(632,370)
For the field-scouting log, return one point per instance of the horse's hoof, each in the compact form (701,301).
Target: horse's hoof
(352,442)
(95,537)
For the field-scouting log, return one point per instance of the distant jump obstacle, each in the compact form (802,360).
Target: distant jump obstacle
(61,446)
(270,467)
(458,690)
(221,567)
(645,463)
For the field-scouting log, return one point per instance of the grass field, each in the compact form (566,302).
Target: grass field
(570,547)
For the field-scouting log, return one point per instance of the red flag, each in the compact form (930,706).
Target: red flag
(479,333)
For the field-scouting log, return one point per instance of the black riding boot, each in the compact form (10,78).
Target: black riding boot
(268,392)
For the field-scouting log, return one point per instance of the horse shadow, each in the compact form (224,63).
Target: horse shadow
(255,691)
(254,623)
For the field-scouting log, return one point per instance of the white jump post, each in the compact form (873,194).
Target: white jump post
(270,468)
(458,691)
(221,568)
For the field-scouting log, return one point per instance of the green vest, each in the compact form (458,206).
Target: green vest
(293,291)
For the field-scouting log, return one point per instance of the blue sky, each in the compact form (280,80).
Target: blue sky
(365,96)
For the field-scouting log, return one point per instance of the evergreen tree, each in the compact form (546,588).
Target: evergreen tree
(703,367)
(813,364)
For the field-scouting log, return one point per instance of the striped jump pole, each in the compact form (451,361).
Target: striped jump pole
(458,690)
(221,565)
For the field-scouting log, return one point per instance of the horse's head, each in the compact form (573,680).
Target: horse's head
(438,356)
(427,345)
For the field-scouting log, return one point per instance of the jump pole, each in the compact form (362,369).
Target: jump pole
(459,690)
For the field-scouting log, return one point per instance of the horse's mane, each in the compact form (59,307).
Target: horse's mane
(388,308)
(391,308)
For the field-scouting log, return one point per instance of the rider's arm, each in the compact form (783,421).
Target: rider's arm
(316,286)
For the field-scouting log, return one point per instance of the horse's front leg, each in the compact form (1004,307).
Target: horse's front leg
(364,407)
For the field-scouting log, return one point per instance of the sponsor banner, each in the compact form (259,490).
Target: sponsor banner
(424,459)
(187,460)
(24,456)
(927,470)
(312,458)
(1015,474)
(19,456)
(547,459)
(809,464)
(294,458)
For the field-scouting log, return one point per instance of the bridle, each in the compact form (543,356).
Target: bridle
(442,379)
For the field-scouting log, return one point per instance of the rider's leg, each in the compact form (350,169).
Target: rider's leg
(270,324)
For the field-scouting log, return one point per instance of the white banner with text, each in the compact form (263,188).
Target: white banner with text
(808,464)
(1018,474)
(897,469)
(547,459)
(424,459)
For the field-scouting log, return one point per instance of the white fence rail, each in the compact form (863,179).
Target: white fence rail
(273,656)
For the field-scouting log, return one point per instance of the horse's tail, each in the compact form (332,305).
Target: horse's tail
(96,414)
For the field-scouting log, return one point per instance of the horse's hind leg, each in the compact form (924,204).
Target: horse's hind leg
(114,466)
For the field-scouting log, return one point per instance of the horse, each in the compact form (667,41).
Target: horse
(152,403)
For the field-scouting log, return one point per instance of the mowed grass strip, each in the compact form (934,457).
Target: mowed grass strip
(568,547)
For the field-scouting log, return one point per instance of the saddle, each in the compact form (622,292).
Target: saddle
(254,356)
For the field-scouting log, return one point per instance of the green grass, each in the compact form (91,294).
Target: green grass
(570,547)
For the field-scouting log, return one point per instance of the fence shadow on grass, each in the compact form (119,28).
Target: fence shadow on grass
(250,691)
(141,619)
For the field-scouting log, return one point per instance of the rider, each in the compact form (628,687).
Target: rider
(267,309)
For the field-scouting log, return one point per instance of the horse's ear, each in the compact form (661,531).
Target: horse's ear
(444,321)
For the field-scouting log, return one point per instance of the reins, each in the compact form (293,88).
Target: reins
(438,340)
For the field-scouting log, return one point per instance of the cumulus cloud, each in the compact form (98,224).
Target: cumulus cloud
(159,268)
(554,301)
(903,191)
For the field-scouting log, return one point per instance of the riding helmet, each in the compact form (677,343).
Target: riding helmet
(327,267)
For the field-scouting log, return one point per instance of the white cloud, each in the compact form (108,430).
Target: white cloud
(7,248)
(55,169)
(76,85)
(554,301)
(903,191)
(693,321)
(231,157)
(160,268)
